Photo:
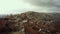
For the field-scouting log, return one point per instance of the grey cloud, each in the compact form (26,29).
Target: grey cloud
(52,5)
(55,3)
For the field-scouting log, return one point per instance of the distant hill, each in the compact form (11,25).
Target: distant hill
(3,16)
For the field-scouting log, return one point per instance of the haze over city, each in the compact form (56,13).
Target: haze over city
(19,6)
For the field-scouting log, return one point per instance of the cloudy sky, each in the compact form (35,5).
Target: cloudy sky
(19,6)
